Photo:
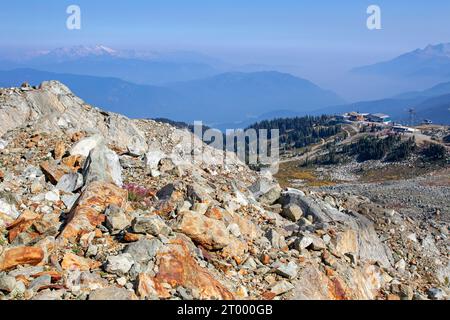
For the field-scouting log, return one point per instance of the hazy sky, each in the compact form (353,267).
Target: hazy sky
(317,36)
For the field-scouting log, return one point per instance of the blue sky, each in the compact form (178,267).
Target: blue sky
(318,37)
(229,25)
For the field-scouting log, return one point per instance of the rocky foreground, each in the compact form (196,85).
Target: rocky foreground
(96,206)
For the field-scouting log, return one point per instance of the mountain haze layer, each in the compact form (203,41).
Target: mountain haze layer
(224,98)
(432,61)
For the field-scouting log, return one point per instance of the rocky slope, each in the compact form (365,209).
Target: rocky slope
(97,206)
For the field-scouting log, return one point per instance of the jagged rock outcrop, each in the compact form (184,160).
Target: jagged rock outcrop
(53,107)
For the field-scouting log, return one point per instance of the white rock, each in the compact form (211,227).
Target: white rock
(185,207)
(400,265)
(69,200)
(122,281)
(429,245)
(326,238)
(7,283)
(38,198)
(46,210)
(154,173)
(52,196)
(152,158)
(120,264)
(8,209)
(234,229)
(304,243)
(288,270)
(3,144)
(84,146)
(200,207)
(412,237)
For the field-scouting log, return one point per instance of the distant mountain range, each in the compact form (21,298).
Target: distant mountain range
(224,98)
(187,86)
(138,67)
(432,62)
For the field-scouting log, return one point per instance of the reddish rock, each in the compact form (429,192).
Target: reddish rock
(337,290)
(88,214)
(20,256)
(265,259)
(74,162)
(178,268)
(164,208)
(21,224)
(247,228)
(149,288)
(131,237)
(268,295)
(51,171)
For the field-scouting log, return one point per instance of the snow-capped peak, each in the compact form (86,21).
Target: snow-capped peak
(76,52)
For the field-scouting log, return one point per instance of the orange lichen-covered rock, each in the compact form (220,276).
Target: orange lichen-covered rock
(361,283)
(178,268)
(77,136)
(20,256)
(214,213)
(235,250)
(88,214)
(148,288)
(21,224)
(73,262)
(52,171)
(59,151)
(131,237)
(210,233)
(73,162)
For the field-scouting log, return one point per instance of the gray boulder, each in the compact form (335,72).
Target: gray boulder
(292,212)
(143,250)
(119,264)
(103,165)
(153,225)
(266,191)
(116,220)
(70,182)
